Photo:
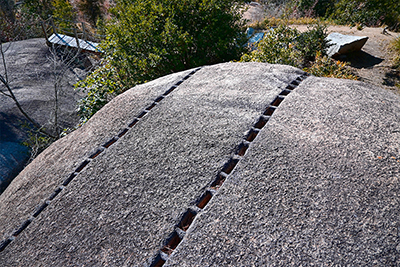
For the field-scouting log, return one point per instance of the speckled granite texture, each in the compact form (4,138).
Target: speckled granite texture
(236,164)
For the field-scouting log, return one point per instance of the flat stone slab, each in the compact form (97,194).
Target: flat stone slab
(343,44)
(236,164)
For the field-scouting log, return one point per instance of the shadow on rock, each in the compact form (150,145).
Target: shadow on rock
(360,60)
(392,78)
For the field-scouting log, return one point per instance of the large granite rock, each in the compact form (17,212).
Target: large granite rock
(32,77)
(237,164)
(343,44)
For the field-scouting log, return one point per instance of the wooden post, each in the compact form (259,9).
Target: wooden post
(53,26)
(83,30)
(76,37)
(44,31)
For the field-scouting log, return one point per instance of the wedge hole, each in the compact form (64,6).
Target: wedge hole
(295,83)
(55,193)
(133,123)
(69,179)
(252,135)
(269,111)
(261,122)
(110,142)
(83,165)
(241,150)
(159,99)
(95,154)
(290,87)
(219,181)
(170,90)
(285,92)
(141,115)
(151,106)
(187,220)
(123,132)
(158,261)
(178,83)
(230,165)
(40,209)
(172,243)
(277,101)
(205,199)
(5,243)
(22,227)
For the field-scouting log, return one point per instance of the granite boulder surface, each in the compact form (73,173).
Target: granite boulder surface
(236,164)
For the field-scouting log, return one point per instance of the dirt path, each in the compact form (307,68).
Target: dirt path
(373,63)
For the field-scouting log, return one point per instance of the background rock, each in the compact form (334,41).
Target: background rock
(31,72)
(343,44)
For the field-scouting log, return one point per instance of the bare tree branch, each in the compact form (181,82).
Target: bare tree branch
(10,94)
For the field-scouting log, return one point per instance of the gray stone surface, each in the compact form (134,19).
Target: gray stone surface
(343,44)
(39,179)
(317,186)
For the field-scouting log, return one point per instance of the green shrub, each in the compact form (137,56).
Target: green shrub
(324,66)
(63,14)
(396,48)
(312,41)
(307,50)
(147,39)
(368,12)
(277,47)
(100,87)
(92,9)
(285,45)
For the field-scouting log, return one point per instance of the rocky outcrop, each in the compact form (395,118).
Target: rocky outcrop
(343,44)
(32,77)
(236,164)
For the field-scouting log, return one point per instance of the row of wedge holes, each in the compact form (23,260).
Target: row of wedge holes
(106,145)
(176,237)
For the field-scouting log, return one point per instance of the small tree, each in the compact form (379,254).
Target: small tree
(368,12)
(147,39)
(63,13)
(92,9)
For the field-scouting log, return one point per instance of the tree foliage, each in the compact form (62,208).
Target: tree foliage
(368,12)
(285,45)
(92,9)
(42,8)
(63,13)
(147,39)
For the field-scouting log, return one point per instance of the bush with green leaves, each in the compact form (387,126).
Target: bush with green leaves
(368,12)
(64,14)
(147,39)
(277,47)
(396,48)
(101,86)
(324,66)
(285,45)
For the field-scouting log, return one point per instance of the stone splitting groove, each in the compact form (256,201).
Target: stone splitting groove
(173,241)
(82,166)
